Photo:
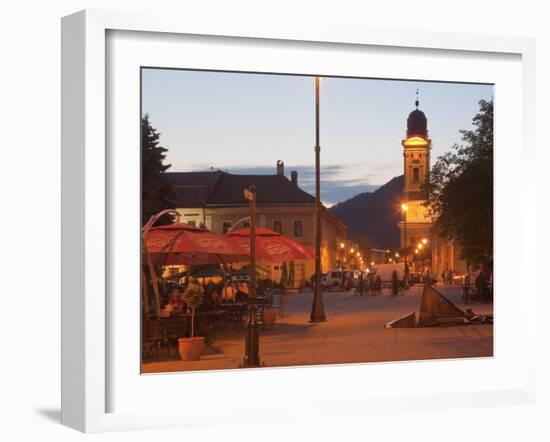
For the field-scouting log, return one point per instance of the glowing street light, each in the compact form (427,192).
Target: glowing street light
(424,241)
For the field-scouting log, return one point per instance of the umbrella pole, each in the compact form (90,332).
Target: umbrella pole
(145,294)
(153,274)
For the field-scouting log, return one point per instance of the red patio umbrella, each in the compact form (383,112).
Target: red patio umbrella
(270,246)
(180,243)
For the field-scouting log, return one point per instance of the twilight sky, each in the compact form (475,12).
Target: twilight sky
(244,123)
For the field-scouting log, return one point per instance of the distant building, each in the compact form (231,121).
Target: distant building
(446,257)
(215,200)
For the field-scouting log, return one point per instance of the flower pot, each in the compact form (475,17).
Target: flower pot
(190,349)
(269,317)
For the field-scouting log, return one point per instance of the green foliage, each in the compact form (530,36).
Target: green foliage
(156,191)
(193,295)
(284,276)
(291,272)
(460,189)
(264,285)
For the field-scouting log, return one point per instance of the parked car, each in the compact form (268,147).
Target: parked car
(415,278)
(335,278)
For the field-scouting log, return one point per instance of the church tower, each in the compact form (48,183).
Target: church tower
(416,154)
(416,223)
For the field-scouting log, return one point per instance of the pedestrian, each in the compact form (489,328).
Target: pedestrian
(394,283)
(361,284)
(480,287)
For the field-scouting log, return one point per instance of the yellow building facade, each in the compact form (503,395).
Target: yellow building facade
(215,200)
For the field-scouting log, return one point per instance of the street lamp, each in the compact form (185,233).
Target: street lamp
(404,209)
(424,241)
(252,337)
(317,308)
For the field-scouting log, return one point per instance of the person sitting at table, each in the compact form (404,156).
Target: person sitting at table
(175,300)
(166,310)
(211,297)
(242,293)
(228,292)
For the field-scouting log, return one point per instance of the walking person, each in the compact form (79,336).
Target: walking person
(361,284)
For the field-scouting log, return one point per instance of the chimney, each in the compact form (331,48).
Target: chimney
(294,177)
(280,168)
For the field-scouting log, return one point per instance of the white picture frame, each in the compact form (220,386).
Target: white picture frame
(87,211)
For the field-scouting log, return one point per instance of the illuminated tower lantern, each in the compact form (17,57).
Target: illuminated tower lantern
(416,223)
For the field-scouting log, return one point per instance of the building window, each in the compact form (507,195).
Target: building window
(226,225)
(298,228)
(192,195)
(246,224)
(416,174)
(192,223)
(278,226)
(178,195)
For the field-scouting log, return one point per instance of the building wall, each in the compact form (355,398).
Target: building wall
(446,257)
(333,232)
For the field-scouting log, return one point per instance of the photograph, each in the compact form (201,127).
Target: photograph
(301,220)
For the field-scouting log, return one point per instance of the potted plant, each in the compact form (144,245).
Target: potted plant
(190,349)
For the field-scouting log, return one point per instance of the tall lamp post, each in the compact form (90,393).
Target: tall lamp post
(317,308)
(252,339)
(404,209)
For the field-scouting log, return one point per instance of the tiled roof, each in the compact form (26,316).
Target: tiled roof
(226,189)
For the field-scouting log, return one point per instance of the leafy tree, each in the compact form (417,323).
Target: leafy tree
(156,191)
(460,190)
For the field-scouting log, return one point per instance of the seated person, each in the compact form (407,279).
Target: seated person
(228,292)
(166,310)
(175,300)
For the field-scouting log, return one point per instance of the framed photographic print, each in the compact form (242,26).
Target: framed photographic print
(320,219)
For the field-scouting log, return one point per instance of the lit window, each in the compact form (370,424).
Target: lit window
(416,174)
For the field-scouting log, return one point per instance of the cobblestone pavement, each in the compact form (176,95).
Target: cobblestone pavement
(354,332)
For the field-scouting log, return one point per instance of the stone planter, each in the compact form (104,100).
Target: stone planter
(190,349)
(269,317)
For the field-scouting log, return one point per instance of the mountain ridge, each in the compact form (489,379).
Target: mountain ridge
(373,217)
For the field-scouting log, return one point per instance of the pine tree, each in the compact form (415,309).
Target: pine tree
(156,191)
(284,275)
